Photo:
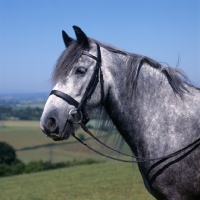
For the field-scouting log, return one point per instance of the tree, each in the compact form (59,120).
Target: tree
(7,154)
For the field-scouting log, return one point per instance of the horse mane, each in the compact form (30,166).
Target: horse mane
(176,78)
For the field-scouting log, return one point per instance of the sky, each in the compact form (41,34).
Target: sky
(31,41)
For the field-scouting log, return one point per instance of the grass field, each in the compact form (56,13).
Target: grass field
(31,144)
(110,180)
(27,135)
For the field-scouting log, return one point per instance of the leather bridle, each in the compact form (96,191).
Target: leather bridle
(79,107)
(84,117)
(89,89)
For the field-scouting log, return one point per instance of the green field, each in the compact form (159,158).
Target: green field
(27,135)
(110,180)
(31,144)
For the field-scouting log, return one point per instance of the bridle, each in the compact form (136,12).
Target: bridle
(89,89)
(84,117)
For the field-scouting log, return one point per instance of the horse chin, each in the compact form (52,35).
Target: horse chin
(65,134)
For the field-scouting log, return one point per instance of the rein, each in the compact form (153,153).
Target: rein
(98,75)
(139,159)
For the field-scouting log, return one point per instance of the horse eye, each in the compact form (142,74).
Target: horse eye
(81,70)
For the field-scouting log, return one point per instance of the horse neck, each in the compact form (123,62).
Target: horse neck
(143,119)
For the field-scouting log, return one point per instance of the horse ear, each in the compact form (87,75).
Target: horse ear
(67,40)
(81,37)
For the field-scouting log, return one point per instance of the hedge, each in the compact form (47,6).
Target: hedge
(36,166)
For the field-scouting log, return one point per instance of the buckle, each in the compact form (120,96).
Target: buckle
(71,118)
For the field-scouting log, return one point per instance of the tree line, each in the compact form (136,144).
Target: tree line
(28,113)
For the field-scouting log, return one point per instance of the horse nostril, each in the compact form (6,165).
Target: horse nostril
(52,125)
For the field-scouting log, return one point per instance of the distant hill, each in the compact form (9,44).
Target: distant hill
(7,99)
(22,106)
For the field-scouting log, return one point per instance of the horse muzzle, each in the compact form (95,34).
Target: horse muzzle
(51,127)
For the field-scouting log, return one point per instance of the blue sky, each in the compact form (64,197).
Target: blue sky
(30,35)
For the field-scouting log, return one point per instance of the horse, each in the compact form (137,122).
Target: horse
(155,108)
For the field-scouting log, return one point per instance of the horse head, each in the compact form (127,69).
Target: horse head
(78,87)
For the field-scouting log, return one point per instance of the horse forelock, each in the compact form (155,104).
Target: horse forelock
(67,60)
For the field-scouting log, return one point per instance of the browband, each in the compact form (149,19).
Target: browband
(90,55)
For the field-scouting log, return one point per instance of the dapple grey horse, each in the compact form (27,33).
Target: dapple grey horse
(154,108)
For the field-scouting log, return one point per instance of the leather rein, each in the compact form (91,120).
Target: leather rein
(84,117)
